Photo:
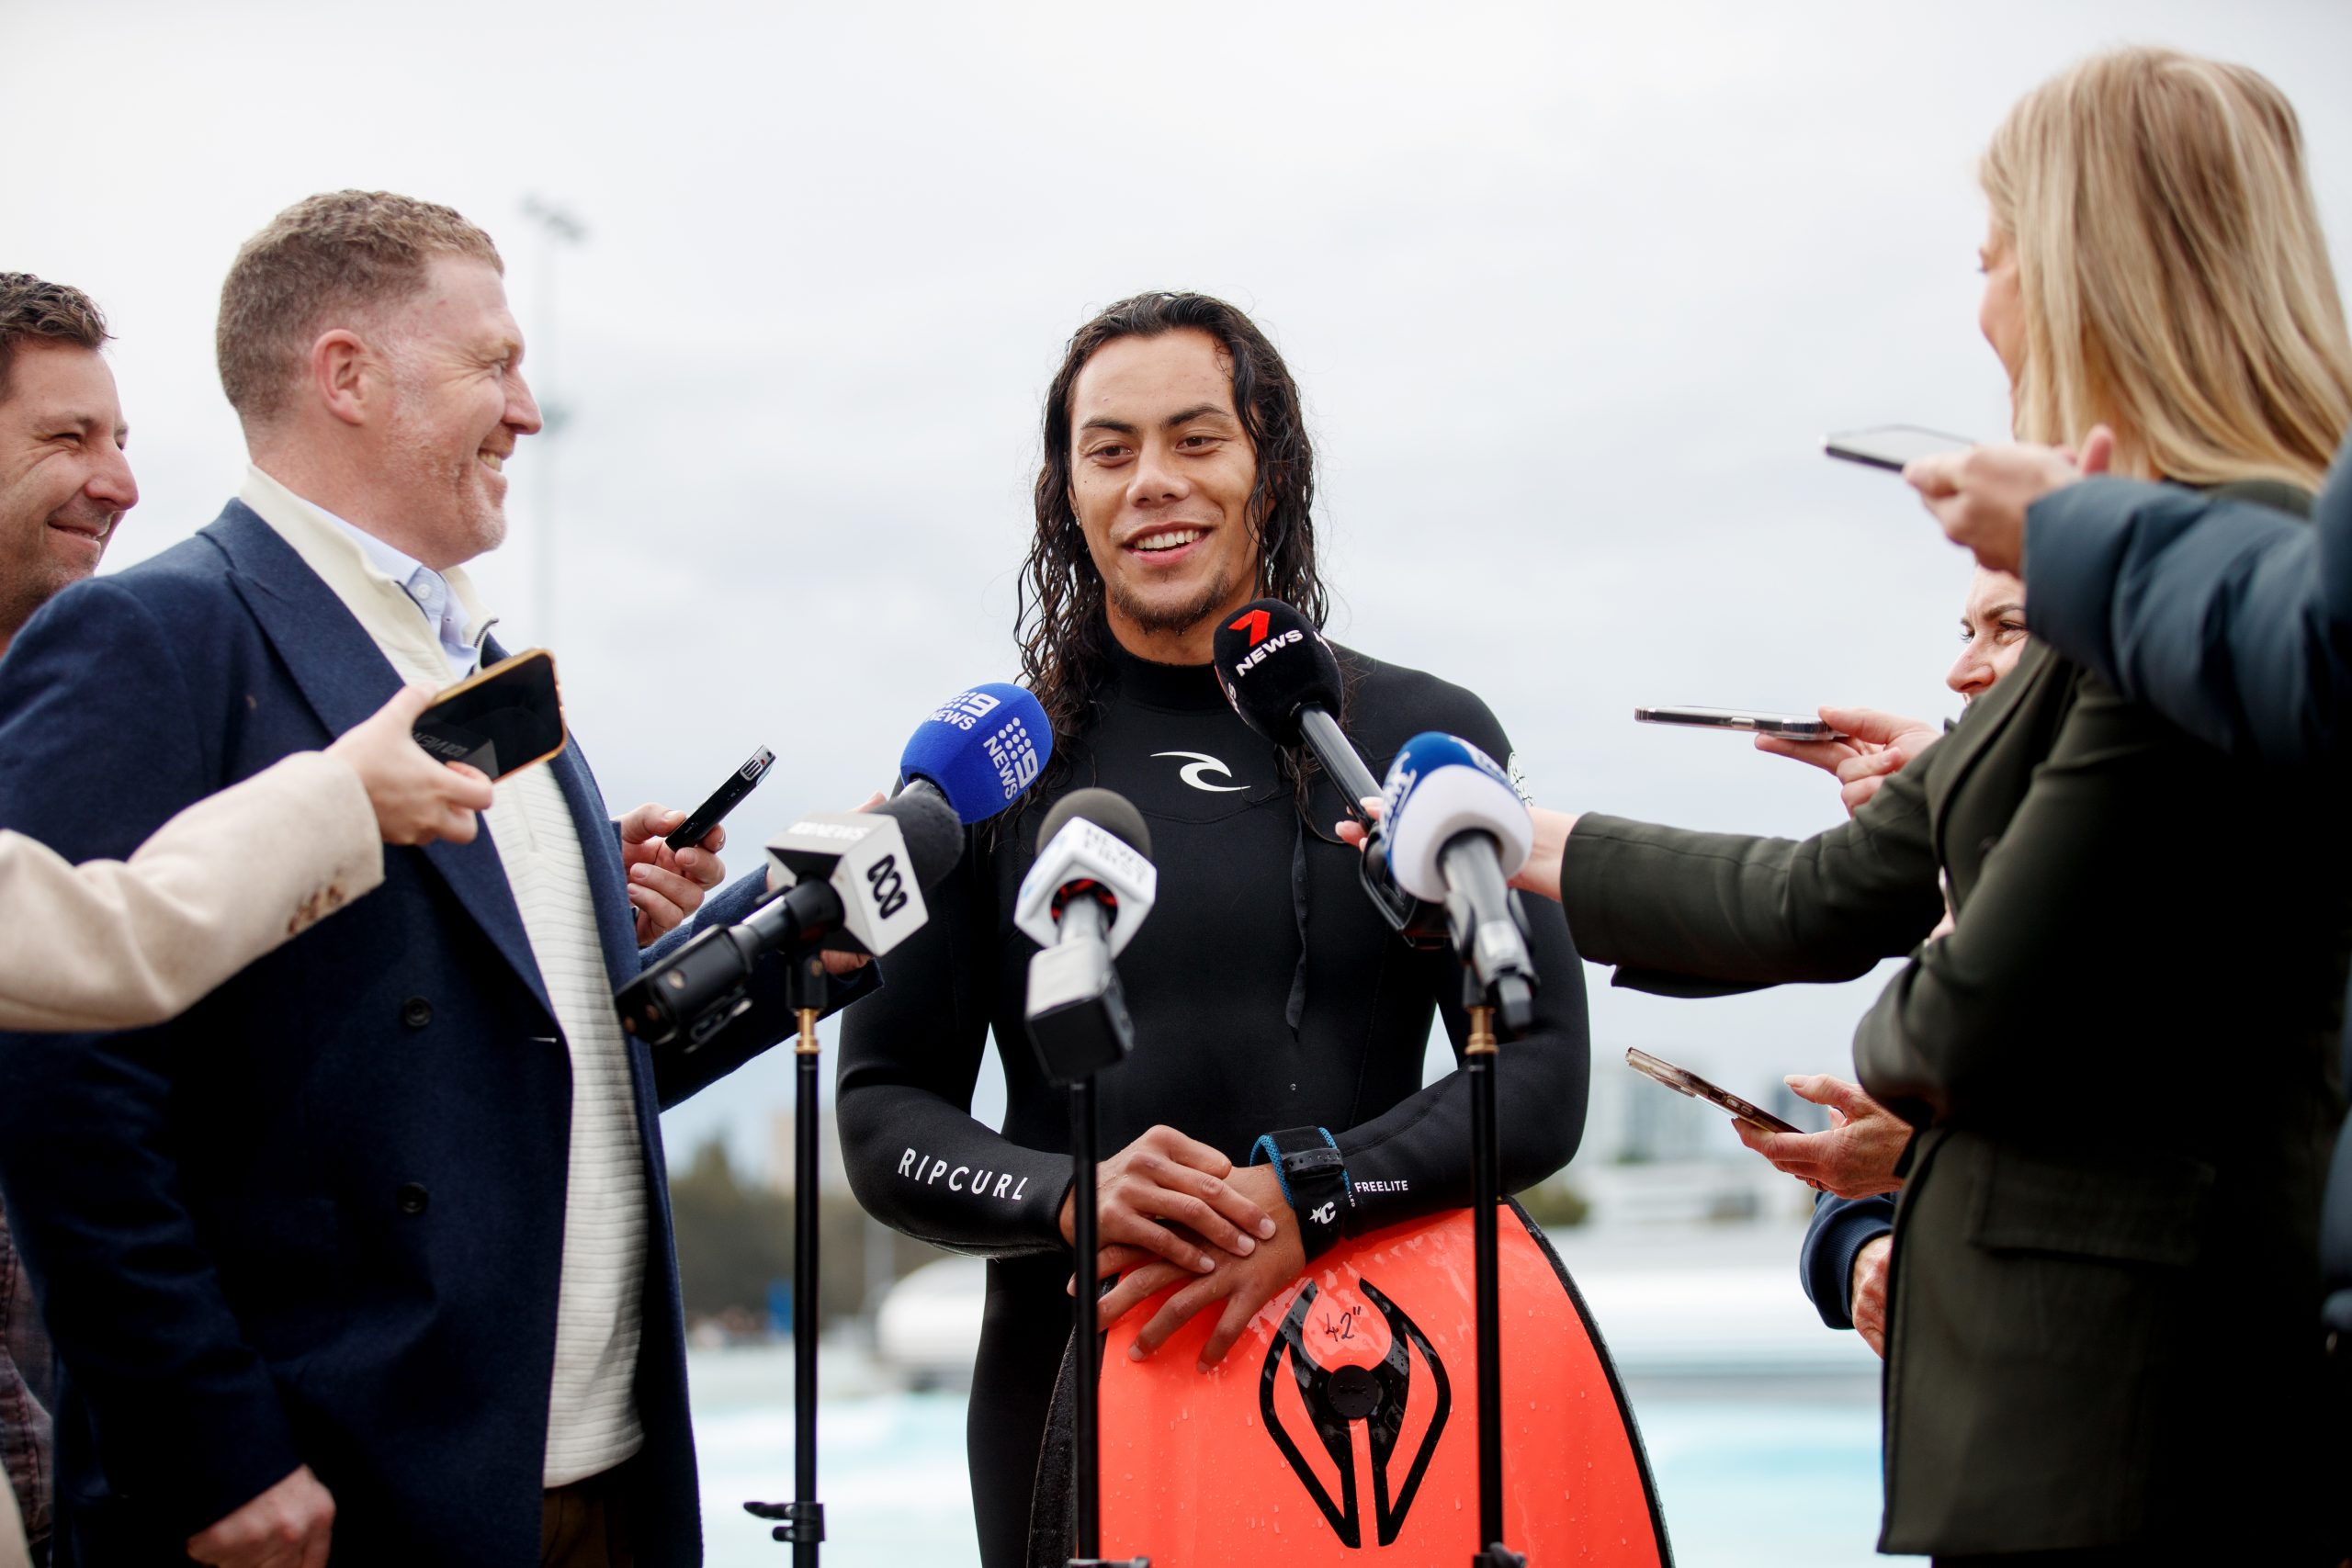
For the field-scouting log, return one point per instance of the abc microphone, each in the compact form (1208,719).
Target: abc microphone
(853,880)
(1457,832)
(1088,890)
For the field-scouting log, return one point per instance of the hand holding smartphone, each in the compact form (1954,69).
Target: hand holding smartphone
(724,799)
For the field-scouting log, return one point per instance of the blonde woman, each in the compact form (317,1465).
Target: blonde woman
(2099,1345)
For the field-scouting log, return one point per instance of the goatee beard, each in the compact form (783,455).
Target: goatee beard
(1183,618)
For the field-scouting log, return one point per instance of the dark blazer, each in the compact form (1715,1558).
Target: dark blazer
(319,1218)
(2236,624)
(2120,1064)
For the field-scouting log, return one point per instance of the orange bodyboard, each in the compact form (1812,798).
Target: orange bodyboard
(1343,1425)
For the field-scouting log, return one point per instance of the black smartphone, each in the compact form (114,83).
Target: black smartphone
(1890,447)
(1788,726)
(1681,1080)
(499,719)
(724,799)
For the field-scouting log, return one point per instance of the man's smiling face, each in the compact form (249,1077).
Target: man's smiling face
(1161,473)
(64,481)
(460,404)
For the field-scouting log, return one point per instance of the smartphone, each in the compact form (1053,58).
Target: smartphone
(1788,726)
(1891,445)
(724,799)
(501,719)
(1683,1081)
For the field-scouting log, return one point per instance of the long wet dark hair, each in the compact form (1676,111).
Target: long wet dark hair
(1065,640)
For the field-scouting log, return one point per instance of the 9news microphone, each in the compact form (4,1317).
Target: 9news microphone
(856,878)
(1458,832)
(1088,890)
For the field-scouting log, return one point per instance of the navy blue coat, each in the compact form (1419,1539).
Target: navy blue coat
(2236,623)
(319,1218)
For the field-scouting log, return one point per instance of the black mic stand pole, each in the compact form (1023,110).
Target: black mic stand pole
(1486,993)
(1485,1187)
(1090,1025)
(804,1517)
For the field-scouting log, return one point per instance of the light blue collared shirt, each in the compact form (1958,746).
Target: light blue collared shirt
(428,590)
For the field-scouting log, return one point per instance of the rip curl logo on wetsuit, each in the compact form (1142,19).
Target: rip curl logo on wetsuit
(1338,1399)
(1201,764)
(916,1165)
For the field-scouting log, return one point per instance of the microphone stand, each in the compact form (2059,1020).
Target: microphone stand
(1091,1027)
(804,1517)
(1496,978)
(1485,1187)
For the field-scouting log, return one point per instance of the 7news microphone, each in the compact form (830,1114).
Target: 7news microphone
(856,877)
(1284,682)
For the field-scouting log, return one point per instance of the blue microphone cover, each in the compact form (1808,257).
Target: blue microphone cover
(982,749)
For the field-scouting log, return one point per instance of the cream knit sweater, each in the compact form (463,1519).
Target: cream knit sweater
(592,1416)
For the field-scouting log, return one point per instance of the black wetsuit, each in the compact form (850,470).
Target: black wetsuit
(1267,994)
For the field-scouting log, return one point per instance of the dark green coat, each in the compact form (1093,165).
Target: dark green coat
(2119,1061)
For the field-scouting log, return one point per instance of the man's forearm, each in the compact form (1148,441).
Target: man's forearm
(2222,614)
(922,1166)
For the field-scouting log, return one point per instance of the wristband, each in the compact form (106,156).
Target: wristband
(1313,1177)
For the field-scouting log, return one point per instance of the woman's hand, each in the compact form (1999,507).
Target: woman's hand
(1238,1286)
(1165,1194)
(1855,1158)
(416,798)
(1875,745)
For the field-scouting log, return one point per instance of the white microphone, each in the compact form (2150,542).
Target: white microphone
(1457,832)
(1090,887)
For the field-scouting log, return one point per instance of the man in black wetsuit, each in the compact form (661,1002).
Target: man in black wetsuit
(1269,997)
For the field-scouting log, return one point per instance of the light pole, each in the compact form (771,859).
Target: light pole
(557,227)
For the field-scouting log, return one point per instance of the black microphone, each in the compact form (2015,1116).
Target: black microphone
(1084,899)
(1284,682)
(861,877)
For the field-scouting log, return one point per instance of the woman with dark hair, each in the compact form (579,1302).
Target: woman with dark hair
(1271,1000)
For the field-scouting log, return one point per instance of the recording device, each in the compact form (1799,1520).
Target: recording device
(501,719)
(856,879)
(1457,832)
(1788,726)
(1681,1080)
(724,799)
(1890,447)
(1090,887)
(1284,682)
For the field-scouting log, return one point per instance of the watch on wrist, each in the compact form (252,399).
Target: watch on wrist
(1313,1177)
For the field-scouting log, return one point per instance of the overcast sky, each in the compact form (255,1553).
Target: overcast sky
(1572,292)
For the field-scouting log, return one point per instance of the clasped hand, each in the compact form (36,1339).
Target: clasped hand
(1171,1208)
